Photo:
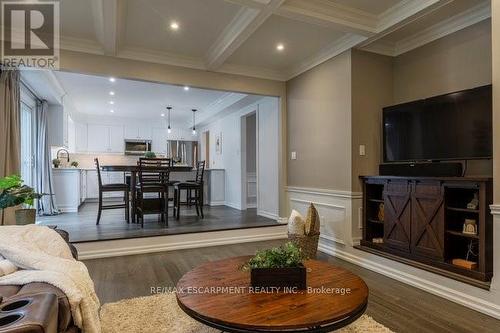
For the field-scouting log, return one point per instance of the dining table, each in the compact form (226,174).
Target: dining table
(134,169)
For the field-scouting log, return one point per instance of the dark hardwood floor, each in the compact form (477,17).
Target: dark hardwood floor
(82,228)
(396,305)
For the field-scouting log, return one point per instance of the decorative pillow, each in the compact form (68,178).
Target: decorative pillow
(296,223)
(312,221)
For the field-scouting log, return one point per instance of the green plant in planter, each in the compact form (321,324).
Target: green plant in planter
(56,162)
(287,255)
(74,164)
(13,193)
(150,154)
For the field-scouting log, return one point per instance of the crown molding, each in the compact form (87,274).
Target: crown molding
(403,14)
(345,43)
(453,24)
(251,71)
(328,14)
(81,45)
(161,57)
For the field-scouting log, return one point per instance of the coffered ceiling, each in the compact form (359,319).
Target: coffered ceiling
(242,36)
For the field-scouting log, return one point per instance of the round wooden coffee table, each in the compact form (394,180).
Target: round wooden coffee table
(218,294)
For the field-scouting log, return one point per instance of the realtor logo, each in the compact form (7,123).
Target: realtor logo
(30,34)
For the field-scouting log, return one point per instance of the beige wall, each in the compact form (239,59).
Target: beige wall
(458,61)
(319,126)
(371,91)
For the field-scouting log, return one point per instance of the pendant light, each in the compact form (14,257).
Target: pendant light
(194,122)
(169,129)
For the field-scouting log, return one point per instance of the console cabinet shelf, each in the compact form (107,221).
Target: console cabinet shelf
(420,221)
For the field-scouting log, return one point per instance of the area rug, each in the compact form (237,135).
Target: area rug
(161,314)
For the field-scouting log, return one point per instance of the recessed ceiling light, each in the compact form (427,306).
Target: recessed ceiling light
(112,79)
(186,88)
(174,25)
(112,93)
(163,115)
(280,47)
(111,102)
(112,111)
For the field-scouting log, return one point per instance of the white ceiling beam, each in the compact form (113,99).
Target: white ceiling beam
(109,23)
(403,14)
(331,15)
(255,4)
(243,25)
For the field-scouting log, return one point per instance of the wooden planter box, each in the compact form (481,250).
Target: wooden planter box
(279,277)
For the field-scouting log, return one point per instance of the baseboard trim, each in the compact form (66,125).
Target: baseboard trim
(232,205)
(118,248)
(464,299)
(268,215)
(216,203)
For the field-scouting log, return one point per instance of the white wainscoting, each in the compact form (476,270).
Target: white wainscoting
(336,209)
(341,219)
(251,190)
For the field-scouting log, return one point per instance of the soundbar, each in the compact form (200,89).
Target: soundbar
(448,169)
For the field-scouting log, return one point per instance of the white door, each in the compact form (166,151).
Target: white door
(116,140)
(98,138)
(27,157)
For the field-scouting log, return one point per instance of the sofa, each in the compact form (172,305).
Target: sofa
(36,307)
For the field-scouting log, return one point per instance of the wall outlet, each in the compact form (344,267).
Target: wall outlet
(362,150)
(294,155)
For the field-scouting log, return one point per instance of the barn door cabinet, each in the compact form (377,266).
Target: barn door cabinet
(419,221)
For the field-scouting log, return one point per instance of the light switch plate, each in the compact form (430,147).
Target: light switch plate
(362,150)
(294,155)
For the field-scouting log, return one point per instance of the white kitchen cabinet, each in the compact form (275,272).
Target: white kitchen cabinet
(92,185)
(116,141)
(137,132)
(58,126)
(107,178)
(159,141)
(104,138)
(81,138)
(83,186)
(180,134)
(67,189)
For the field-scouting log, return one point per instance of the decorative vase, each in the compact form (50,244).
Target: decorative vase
(294,277)
(25,216)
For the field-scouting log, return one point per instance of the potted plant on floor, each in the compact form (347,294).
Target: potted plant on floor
(278,267)
(13,193)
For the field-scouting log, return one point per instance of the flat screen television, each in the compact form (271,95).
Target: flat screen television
(455,126)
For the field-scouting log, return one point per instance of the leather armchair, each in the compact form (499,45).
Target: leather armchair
(36,307)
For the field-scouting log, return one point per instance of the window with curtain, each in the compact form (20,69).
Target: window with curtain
(28,107)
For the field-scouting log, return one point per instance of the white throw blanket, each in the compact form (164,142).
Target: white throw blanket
(43,256)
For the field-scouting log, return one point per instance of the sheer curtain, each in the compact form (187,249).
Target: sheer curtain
(43,164)
(10,137)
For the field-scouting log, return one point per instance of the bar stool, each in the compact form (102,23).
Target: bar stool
(111,188)
(189,186)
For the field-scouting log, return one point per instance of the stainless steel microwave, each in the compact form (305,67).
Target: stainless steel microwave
(137,147)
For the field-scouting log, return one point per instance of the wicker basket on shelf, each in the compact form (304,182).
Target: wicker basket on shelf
(307,243)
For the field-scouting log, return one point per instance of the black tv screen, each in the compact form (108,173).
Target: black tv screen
(455,126)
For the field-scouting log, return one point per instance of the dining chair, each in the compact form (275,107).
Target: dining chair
(154,174)
(111,188)
(189,186)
